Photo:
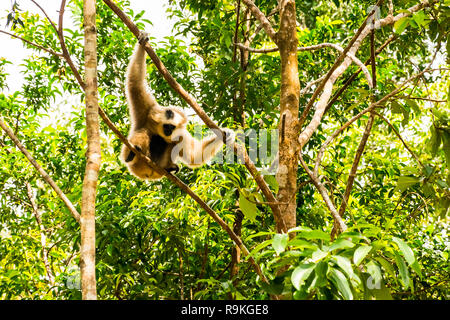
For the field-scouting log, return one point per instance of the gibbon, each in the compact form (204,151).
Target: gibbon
(159,132)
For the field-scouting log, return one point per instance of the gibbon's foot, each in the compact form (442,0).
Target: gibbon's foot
(143,37)
(174,169)
(131,155)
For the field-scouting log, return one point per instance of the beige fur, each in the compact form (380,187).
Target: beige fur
(148,122)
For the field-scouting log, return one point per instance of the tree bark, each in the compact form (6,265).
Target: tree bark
(93,156)
(289,100)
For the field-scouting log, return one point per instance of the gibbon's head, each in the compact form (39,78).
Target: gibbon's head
(169,120)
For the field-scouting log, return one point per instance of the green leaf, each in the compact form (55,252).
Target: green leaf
(314,234)
(275,286)
(405,249)
(436,140)
(279,243)
(272,182)
(401,25)
(341,244)
(386,266)
(248,208)
(344,264)
(340,281)
(360,253)
(374,270)
(318,255)
(416,267)
(404,183)
(320,278)
(403,270)
(300,274)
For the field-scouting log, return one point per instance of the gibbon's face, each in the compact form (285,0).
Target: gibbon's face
(169,120)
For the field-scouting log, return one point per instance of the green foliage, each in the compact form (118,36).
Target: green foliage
(353,266)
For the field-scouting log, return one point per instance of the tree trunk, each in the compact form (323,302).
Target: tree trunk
(289,101)
(93,155)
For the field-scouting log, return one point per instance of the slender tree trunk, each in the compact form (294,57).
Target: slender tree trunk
(93,155)
(289,101)
(37,216)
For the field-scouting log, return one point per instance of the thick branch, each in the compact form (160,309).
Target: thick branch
(41,171)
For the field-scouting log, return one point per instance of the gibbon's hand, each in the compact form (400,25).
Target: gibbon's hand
(143,37)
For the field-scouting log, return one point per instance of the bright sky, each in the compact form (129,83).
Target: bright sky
(13,50)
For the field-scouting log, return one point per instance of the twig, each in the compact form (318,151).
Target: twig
(46,15)
(400,138)
(33,44)
(41,171)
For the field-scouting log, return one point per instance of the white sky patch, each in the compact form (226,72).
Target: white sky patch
(14,51)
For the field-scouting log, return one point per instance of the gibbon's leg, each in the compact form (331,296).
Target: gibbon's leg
(194,153)
(140,100)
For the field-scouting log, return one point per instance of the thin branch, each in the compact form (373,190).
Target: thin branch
(46,15)
(309,85)
(41,171)
(421,98)
(262,18)
(354,75)
(341,65)
(323,192)
(400,138)
(37,216)
(33,44)
(371,107)
(66,53)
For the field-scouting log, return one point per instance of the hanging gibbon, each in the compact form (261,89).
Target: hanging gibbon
(159,132)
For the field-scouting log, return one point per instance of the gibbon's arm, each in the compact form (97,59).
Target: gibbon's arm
(140,100)
(195,153)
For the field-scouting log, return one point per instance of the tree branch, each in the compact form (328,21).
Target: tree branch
(41,171)
(33,44)
(262,19)
(323,192)
(401,139)
(37,216)
(335,71)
